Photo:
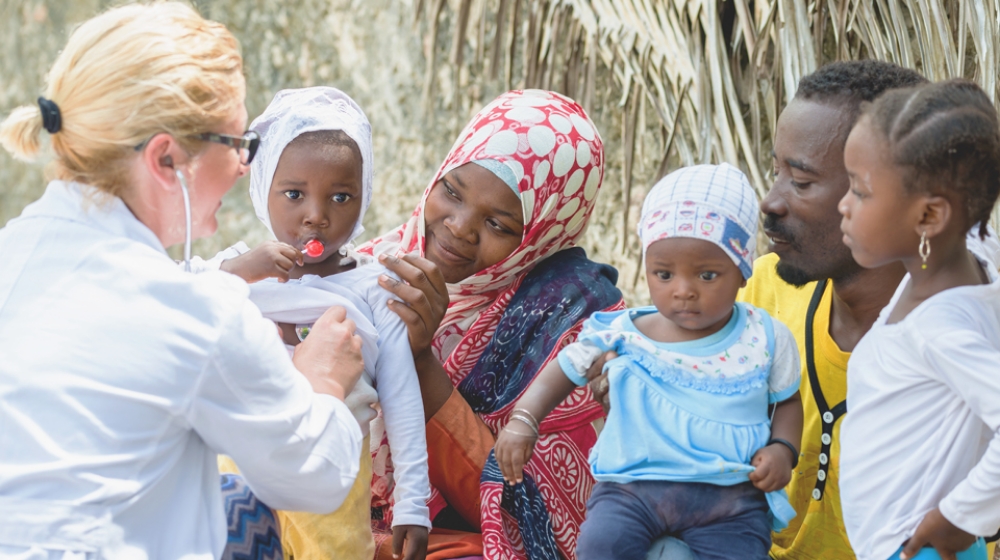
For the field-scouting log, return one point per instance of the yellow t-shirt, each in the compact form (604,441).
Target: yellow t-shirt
(817,532)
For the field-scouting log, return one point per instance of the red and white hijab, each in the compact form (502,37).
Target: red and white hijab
(557,159)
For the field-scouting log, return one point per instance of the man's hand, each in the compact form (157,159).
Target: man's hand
(423,297)
(772,467)
(270,259)
(937,531)
(597,379)
(415,537)
(330,358)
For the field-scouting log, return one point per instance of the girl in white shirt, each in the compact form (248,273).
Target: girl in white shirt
(310,185)
(920,456)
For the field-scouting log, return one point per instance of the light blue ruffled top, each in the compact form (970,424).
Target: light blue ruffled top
(687,412)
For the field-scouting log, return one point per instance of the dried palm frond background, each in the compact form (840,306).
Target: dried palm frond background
(668,82)
(696,81)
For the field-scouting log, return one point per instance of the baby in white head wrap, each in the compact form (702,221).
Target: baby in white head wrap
(310,184)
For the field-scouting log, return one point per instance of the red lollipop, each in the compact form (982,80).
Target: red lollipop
(314,248)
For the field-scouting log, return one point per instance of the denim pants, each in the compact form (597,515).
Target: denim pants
(716,522)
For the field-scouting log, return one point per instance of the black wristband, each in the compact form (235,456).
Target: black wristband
(788,444)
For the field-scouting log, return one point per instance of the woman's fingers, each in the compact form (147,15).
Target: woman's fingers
(409,317)
(330,358)
(417,271)
(424,276)
(415,310)
(412,296)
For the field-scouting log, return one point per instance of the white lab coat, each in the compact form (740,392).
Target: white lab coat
(122,378)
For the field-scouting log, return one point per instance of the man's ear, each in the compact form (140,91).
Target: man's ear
(937,212)
(161,156)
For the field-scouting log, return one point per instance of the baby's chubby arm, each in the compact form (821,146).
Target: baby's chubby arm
(773,463)
(551,386)
(516,441)
(270,259)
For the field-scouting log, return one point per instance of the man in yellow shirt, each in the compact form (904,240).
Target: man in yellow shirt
(811,283)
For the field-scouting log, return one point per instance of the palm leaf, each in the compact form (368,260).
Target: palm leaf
(713,74)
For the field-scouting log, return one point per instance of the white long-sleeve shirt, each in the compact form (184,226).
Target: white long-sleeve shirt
(389,367)
(122,377)
(923,429)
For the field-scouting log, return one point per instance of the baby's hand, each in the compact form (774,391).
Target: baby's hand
(271,259)
(513,448)
(415,537)
(773,467)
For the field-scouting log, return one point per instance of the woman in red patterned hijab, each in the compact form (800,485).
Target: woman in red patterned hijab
(500,222)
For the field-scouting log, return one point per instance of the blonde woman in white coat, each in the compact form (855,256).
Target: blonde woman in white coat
(122,376)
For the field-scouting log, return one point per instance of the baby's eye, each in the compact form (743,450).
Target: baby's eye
(293,194)
(663,275)
(857,193)
(341,198)
(708,276)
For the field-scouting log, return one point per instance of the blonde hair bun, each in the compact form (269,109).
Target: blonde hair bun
(125,75)
(19,132)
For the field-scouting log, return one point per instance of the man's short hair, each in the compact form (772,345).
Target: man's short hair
(851,83)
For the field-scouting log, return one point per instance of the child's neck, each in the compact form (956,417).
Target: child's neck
(949,265)
(334,264)
(658,328)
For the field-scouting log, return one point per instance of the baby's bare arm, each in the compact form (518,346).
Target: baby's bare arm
(516,441)
(773,463)
(787,422)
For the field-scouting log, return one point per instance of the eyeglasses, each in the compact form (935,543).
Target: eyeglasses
(246,145)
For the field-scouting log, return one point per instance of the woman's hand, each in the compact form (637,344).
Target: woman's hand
(270,259)
(513,449)
(938,532)
(423,293)
(415,537)
(772,467)
(597,379)
(330,357)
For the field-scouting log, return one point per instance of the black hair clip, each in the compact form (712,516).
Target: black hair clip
(51,117)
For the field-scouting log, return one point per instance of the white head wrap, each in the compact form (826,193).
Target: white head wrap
(711,202)
(294,112)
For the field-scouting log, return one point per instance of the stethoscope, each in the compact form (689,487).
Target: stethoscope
(187,220)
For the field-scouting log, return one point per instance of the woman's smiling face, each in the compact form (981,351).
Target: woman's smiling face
(473,220)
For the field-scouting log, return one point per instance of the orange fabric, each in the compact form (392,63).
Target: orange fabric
(442,544)
(458,443)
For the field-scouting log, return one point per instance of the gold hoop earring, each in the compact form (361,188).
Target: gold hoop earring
(924,249)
